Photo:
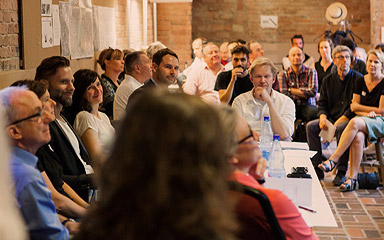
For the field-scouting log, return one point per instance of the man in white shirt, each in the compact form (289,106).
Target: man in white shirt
(197,46)
(202,81)
(262,101)
(138,69)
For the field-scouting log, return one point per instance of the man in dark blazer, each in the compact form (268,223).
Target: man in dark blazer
(165,69)
(65,146)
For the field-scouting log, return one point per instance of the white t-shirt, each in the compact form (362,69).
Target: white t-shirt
(254,110)
(85,120)
(75,144)
(126,88)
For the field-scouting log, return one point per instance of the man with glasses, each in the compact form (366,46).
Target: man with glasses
(28,129)
(335,98)
(262,101)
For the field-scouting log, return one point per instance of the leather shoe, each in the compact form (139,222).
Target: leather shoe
(339,179)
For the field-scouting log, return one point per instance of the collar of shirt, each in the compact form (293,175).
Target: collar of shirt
(129,77)
(273,96)
(207,68)
(290,70)
(24,157)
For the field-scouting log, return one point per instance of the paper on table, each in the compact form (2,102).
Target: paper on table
(294,145)
(329,133)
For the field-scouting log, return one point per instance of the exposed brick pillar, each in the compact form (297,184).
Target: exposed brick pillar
(377,21)
(9,35)
(174,28)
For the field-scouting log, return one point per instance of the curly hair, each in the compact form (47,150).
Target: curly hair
(166,177)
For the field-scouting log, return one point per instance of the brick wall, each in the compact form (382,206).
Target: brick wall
(377,21)
(9,35)
(223,20)
(174,28)
(121,24)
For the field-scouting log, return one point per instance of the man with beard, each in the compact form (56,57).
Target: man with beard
(232,83)
(165,69)
(202,82)
(65,146)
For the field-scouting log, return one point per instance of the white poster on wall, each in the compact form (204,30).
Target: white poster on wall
(46,8)
(104,28)
(56,25)
(64,26)
(268,21)
(46,32)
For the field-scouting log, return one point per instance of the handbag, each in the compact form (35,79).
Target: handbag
(368,180)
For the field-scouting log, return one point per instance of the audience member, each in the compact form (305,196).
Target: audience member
(224,53)
(165,69)
(178,182)
(27,127)
(153,48)
(324,65)
(262,101)
(356,64)
(202,82)
(125,53)
(138,69)
(52,172)
(368,101)
(300,83)
(112,62)
(298,41)
(380,47)
(65,146)
(234,82)
(360,54)
(198,62)
(246,157)
(335,98)
(231,46)
(93,127)
(256,50)
(11,226)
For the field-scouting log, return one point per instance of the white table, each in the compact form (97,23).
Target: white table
(323,216)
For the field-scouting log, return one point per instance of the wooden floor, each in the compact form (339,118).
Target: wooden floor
(359,214)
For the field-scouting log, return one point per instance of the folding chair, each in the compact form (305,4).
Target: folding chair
(263,226)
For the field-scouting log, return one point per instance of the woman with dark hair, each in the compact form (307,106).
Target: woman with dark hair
(324,65)
(112,62)
(166,177)
(93,126)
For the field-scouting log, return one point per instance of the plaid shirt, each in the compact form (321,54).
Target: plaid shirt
(306,81)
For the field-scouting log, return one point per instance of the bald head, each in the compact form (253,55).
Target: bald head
(296,56)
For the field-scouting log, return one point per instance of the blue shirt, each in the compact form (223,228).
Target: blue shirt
(34,198)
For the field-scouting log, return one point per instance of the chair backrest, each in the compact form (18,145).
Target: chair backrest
(265,224)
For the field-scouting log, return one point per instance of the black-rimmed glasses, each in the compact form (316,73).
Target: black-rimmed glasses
(39,117)
(247,137)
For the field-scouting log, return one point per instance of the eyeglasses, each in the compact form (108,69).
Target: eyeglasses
(247,137)
(343,57)
(38,116)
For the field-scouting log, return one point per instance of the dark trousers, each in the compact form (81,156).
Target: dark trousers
(306,112)
(314,143)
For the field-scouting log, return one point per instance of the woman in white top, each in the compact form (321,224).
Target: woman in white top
(93,126)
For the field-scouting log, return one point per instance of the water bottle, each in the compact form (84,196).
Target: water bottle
(276,159)
(266,138)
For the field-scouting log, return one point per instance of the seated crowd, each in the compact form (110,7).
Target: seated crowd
(165,172)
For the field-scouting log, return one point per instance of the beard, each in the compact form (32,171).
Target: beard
(59,97)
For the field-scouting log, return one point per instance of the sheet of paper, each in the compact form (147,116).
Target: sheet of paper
(46,8)
(289,153)
(294,145)
(46,32)
(329,133)
(56,24)
(64,27)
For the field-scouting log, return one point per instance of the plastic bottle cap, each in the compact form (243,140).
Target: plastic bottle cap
(266,118)
(276,137)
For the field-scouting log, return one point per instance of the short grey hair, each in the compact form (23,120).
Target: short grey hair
(340,48)
(5,101)
(153,48)
(263,61)
(207,45)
